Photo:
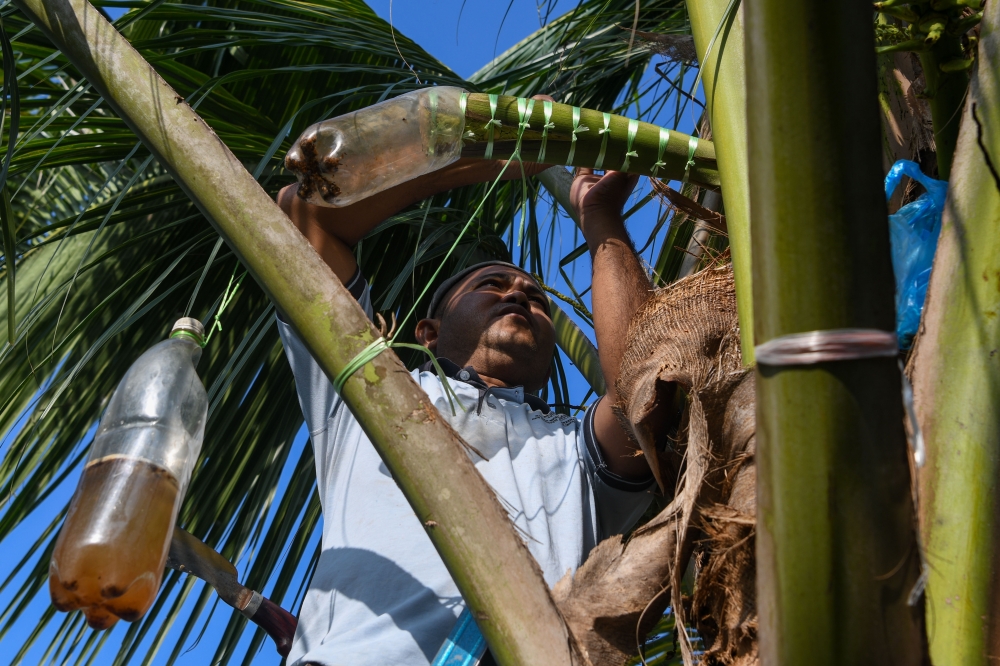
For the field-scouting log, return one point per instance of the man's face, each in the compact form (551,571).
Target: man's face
(496,320)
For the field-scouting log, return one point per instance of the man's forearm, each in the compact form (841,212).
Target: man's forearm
(334,231)
(352,223)
(619,287)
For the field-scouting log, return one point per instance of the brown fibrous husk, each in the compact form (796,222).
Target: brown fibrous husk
(685,337)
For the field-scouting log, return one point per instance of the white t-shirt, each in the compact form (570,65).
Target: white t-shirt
(380,594)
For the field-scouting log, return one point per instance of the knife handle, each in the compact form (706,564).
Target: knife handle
(277,622)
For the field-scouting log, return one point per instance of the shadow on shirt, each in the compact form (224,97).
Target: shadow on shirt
(387,590)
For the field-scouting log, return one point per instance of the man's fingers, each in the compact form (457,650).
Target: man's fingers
(543,98)
(584,171)
(620,178)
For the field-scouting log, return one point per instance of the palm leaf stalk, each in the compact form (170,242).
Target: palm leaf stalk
(836,545)
(956,392)
(463,517)
(717,27)
(610,146)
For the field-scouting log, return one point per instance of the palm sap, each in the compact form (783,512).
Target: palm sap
(109,556)
(89,569)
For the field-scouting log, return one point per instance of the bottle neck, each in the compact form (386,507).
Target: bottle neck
(197,339)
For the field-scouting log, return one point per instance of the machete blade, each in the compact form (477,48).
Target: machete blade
(191,555)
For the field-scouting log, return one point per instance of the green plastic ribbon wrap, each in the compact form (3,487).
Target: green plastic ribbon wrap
(664,138)
(692,147)
(577,129)
(605,132)
(491,124)
(633,129)
(547,111)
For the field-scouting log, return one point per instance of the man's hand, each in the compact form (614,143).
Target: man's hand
(601,196)
(620,286)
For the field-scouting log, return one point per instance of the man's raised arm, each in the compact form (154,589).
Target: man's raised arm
(334,231)
(620,286)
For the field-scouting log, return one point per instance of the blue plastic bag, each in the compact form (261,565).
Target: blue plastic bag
(913,236)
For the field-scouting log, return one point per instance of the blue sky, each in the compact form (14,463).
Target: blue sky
(465,38)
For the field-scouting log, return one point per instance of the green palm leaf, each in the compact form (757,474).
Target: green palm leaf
(109,252)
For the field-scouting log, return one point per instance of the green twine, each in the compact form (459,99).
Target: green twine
(599,163)
(664,138)
(366,355)
(494,122)
(227,298)
(547,110)
(692,146)
(369,353)
(633,129)
(577,129)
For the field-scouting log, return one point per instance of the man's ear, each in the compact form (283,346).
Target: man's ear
(427,332)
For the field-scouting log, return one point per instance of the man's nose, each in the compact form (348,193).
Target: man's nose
(515,295)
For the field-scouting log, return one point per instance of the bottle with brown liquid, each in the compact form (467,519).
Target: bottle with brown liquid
(109,556)
(351,157)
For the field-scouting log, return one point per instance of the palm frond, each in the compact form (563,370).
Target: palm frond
(108,252)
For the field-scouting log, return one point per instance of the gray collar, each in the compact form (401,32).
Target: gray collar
(469,375)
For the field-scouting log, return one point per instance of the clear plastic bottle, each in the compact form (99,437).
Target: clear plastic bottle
(110,554)
(351,157)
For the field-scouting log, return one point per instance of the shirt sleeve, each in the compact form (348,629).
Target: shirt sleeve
(620,502)
(316,395)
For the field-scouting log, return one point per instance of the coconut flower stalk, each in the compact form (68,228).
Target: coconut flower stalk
(351,157)
(837,553)
(609,141)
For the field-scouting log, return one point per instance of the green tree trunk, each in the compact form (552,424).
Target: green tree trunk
(836,546)
(493,569)
(956,381)
(724,80)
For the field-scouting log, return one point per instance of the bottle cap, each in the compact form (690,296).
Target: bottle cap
(189,327)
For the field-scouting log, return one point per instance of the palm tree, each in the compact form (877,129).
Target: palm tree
(107,251)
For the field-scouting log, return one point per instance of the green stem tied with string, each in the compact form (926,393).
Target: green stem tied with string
(564,134)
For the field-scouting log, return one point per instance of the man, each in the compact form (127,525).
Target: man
(380,593)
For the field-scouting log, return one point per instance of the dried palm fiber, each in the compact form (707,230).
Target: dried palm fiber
(724,606)
(687,336)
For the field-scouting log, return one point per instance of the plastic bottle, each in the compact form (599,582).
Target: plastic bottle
(110,554)
(351,157)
